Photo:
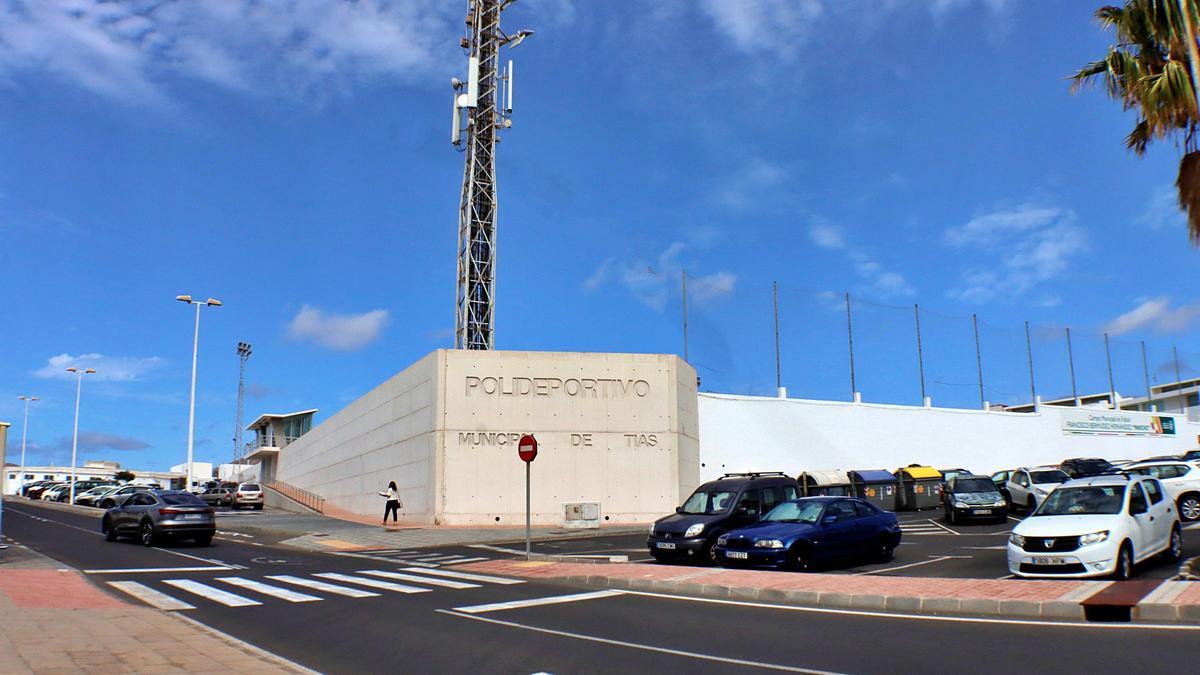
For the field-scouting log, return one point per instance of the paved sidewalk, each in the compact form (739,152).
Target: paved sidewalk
(54,621)
(1168,601)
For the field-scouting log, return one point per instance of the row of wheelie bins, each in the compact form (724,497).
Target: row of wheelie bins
(909,488)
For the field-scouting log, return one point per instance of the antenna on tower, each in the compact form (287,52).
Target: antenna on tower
(481,108)
(239,450)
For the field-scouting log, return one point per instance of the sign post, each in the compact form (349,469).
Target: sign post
(527,451)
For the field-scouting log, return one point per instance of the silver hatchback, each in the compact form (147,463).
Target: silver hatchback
(156,515)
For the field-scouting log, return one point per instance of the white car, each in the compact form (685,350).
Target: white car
(52,494)
(1089,527)
(1028,487)
(1182,481)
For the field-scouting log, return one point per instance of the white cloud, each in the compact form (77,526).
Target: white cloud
(747,187)
(1024,247)
(653,282)
(1162,212)
(127,50)
(826,235)
(1157,315)
(342,332)
(108,368)
(876,280)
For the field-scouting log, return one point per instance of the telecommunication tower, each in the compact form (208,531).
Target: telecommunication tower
(482,107)
(243,352)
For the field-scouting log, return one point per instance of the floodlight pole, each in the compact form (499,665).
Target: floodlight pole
(24,433)
(79,372)
(192,401)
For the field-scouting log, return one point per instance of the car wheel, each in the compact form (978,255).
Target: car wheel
(110,533)
(1124,568)
(1175,549)
(951,517)
(1189,507)
(204,540)
(884,551)
(799,559)
(148,536)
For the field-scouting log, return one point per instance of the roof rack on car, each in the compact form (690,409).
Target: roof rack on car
(755,474)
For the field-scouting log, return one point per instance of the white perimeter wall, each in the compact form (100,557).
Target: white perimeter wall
(743,433)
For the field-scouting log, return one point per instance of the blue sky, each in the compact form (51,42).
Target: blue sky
(292,159)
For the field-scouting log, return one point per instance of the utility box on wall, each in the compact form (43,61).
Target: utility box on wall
(581,515)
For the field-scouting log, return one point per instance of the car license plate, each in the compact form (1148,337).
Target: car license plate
(983,512)
(1050,560)
(737,555)
(193,516)
(669,545)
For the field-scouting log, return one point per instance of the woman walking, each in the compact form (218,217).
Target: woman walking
(393,503)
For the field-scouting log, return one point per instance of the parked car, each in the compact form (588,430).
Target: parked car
(115,497)
(37,492)
(1027,487)
(218,496)
(51,493)
(1182,481)
(799,533)
(1000,478)
(248,494)
(716,507)
(41,484)
(1096,526)
(972,497)
(80,487)
(88,497)
(1085,466)
(154,515)
(1191,456)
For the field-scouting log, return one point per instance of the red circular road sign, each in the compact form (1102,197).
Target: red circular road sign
(527,448)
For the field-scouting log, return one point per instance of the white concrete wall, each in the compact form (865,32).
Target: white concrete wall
(743,433)
(388,434)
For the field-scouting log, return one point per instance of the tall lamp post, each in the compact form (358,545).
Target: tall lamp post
(24,429)
(75,436)
(192,405)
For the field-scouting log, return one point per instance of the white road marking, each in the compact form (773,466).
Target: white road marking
(464,560)
(322,586)
(215,594)
(920,617)
(267,589)
(149,595)
(438,558)
(937,524)
(536,602)
(138,570)
(444,583)
(1193,526)
(465,576)
(372,583)
(497,549)
(916,564)
(643,647)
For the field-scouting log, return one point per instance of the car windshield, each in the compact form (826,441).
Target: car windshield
(795,512)
(1083,501)
(182,499)
(715,501)
(1043,477)
(965,485)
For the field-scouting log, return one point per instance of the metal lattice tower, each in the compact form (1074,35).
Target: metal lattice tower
(243,352)
(480,111)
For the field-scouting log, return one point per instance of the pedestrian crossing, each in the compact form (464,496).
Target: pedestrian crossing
(316,587)
(415,557)
(923,528)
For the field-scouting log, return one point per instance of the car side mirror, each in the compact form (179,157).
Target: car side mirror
(747,511)
(678,509)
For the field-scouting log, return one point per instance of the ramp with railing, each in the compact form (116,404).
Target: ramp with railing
(303,497)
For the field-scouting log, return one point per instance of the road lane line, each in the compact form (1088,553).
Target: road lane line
(151,570)
(215,594)
(267,589)
(536,602)
(937,524)
(465,576)
(497,549)
(916,564)
(464,560)
(322,586)
(149,595)
(643,647)
(444,583)
(372,583)
(438,558)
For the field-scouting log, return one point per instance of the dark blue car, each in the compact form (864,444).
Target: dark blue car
(797,534)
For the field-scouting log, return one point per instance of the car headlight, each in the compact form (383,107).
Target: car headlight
(1093,538)
(695,530)
(960,505)
(1016,539)
(768,543)
(721,540)
(1000,502)
(652,528)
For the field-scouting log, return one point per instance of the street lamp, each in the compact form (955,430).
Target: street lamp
(24,429)
(192,405)
(75,438)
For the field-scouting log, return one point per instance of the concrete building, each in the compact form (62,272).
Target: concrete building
(617,430)
(14,478)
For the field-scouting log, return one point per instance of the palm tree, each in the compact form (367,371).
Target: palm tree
(1153,69)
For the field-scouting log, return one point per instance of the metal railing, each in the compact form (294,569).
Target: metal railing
(276,442)
(310,499)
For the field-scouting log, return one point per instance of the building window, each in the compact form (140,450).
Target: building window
(48,477)
(12,476)
(28,476)
(1193,400)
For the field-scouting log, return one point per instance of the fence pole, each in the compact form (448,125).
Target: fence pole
(685,344)
(778,378)
(1071,363)
(1112,388)
(978,358)
(850,335)
(1146,376)
(920,353)
(1029,357)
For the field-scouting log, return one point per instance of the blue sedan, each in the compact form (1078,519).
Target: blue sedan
(797,534)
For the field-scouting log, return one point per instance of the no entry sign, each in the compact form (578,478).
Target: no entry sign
(527,448)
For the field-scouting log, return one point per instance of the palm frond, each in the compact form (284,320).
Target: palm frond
(1188,184)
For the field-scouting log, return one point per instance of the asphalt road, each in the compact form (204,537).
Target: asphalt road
(460,629)
(930,547)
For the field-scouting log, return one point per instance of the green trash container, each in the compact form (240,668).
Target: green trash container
(875,486)
(918,487)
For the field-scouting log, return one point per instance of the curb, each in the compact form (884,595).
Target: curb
(56,506)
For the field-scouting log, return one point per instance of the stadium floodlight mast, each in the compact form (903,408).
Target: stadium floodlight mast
(79,373)
(24,433)
(211,302)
